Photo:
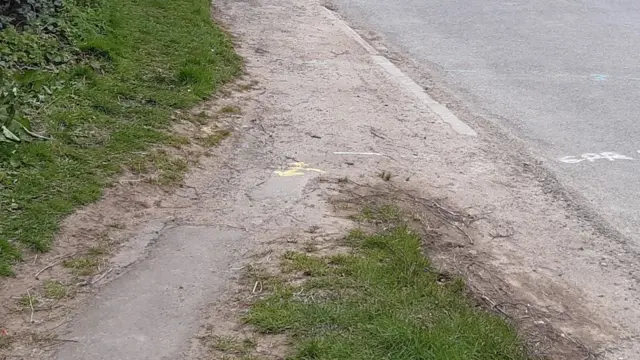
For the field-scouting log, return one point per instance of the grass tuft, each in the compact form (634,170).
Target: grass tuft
(83,265)
(215,138)
(27,301)
(232,345)
(55,290)
(381,301)
(303,263)
(230,109)
(5,341)
(380,214)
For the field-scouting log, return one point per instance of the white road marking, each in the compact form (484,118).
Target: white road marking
(442,111)
(592,157)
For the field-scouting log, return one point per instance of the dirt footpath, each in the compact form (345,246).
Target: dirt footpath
(328,109)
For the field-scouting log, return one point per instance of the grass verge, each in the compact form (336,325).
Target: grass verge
(146,59)
(383,300)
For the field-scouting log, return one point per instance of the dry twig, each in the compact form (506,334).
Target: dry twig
(30,305)
(101,276)
(53,264)
(256,286)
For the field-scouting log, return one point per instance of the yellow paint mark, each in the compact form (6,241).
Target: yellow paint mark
(297,169)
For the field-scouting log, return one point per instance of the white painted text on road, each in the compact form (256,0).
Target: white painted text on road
(593,157)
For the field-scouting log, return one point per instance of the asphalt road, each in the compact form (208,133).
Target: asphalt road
(564,75)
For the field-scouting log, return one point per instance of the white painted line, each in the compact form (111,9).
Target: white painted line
(442,111)
(356,153)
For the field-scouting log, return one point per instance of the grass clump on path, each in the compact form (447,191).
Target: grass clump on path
(381,301)
(103,90)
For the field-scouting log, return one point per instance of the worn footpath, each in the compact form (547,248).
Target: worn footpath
(325,109)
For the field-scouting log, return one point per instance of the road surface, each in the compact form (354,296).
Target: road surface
(562,75)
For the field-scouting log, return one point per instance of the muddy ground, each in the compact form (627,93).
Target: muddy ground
(321,119)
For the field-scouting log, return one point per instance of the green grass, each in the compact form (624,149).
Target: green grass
(233,346)
(55,290)
(153,56)
(83,265)
(376,214)
(27,301)
(381,301)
